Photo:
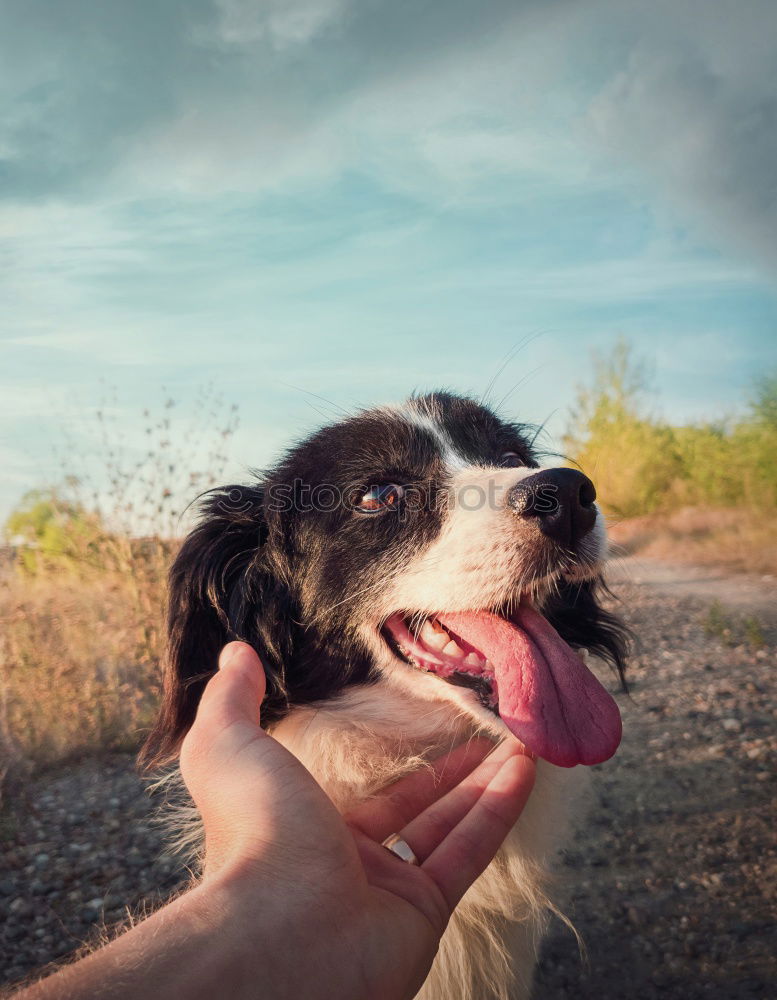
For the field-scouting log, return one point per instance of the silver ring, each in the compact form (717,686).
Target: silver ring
(401,848)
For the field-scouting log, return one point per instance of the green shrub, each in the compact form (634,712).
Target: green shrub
(642,464)
(49,531)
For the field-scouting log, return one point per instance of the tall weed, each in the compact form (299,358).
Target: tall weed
(82,603)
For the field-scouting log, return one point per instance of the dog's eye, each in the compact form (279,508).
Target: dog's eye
(380,498)
(510,459)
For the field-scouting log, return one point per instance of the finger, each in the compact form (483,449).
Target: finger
(470,847)
(396,805)
(432,826)
(386,872)
(246,786)
(236,692)
(230,701)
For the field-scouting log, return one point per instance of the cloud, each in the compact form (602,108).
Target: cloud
(695,111)
(442,100)
(242,23)
(224,94)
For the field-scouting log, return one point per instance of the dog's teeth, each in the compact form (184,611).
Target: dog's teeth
(453,650)
(434,638)
(473,660)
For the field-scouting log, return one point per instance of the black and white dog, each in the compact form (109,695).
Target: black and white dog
(411,577)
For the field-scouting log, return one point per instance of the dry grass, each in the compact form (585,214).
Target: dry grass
(740,540)
(79,661)
(82,601)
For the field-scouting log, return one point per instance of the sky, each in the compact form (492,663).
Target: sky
(315,205)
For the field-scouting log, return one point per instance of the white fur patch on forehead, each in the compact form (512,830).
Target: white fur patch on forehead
(419,413)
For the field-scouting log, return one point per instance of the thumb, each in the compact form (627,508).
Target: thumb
(237,690)
(253,795)
(230,705)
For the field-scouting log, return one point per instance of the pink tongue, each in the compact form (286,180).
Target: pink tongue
(548,698)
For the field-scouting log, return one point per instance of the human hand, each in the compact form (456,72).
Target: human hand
(297,900)
(313,904)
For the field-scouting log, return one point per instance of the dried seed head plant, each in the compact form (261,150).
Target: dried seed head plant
(82,588)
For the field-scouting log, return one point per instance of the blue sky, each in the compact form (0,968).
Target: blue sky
(361,199)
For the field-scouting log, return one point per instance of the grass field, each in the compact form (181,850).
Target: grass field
(79,664)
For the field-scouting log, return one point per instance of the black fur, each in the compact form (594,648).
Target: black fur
(577,615)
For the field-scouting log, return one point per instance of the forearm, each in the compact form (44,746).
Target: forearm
(186,949)
(216,940)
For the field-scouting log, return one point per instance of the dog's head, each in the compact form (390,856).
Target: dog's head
(419,546)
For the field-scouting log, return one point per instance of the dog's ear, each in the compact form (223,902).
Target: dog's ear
(215,586)
(576,613)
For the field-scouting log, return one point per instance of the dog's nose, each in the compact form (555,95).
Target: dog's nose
(562,499)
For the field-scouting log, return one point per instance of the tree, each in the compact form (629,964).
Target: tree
(764,402)
(620,385)
(633,458)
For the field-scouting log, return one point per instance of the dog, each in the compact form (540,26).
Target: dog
(411,577)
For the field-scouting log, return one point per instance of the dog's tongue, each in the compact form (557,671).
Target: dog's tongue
(548,697)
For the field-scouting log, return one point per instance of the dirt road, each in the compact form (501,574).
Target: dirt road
(671,881)
(750,595)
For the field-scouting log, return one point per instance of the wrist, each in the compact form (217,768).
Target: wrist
(281,944)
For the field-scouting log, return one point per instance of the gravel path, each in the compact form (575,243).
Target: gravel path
(80,850)
(745,594)
(672,881)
